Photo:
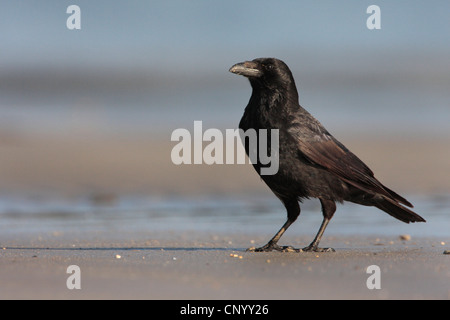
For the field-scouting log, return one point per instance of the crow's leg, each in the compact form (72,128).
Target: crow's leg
(328,210)
(293,211)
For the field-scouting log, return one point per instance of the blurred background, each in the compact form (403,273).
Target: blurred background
(86,115)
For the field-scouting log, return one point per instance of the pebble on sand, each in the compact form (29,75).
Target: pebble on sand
(405,237)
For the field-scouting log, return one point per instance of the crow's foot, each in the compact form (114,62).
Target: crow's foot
(273,247)
(312,248)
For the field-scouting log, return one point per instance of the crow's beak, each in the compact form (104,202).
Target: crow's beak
(247,69)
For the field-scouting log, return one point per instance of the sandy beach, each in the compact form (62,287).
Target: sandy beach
(211,266)
(192,264)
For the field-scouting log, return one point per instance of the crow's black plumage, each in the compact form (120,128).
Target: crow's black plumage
(312,163)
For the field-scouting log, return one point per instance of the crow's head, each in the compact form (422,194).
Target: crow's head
(265,72)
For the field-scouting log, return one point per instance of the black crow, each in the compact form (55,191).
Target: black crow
(312,163)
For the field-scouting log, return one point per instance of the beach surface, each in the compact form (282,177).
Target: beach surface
(216,266)
(122,258)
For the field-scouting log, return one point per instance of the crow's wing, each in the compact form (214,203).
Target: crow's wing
(320,148)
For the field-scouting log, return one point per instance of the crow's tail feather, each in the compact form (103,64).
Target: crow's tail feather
(398,211)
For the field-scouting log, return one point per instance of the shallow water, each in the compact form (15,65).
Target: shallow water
(253,214)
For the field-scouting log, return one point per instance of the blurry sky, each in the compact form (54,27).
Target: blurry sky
(178,32)
(169,54)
